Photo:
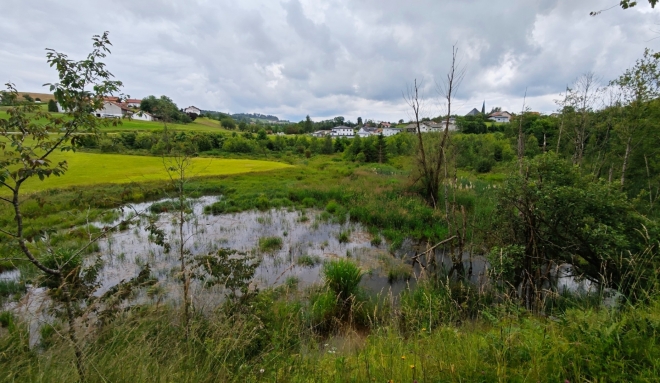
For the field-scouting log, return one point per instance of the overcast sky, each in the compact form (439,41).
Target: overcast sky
(331,57)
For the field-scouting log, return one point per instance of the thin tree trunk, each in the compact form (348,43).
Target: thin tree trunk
(184,269)
(521,137)
(625,160)
(648,175)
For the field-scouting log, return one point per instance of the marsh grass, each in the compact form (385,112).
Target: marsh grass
(11,287)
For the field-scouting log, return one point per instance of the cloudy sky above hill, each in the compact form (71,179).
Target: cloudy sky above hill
(326,58)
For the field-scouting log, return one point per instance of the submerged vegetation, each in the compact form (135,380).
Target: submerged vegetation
(521,252)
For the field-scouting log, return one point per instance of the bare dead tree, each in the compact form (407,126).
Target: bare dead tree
(582,98)
(448,90)
(431,156)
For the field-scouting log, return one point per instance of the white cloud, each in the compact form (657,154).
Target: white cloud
(331,57)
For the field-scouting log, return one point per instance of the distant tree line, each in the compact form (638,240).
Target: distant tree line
(371,149)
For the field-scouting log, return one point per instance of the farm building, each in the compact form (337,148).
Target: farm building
(112,110)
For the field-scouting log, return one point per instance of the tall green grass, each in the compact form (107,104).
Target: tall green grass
(274,339)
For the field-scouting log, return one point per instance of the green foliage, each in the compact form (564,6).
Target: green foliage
(52,106)
(560,216)
(239,145)
(472,124)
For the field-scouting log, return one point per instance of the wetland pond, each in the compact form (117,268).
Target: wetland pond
(304,240)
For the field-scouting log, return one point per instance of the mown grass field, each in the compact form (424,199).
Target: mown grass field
(94,169)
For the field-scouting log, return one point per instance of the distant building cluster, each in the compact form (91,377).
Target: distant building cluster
(113,107)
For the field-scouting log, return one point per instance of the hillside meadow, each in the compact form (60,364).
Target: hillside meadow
(202,124)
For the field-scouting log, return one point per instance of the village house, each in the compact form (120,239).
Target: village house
(389,132)
(193,110)
(366,132)
(440,126)
(503,117)
(412,128)
(342,131)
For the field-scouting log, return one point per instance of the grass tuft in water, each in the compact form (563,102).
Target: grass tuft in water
(308,260)
(268,244)
(342,277)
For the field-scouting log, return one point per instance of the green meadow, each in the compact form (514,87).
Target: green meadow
(94,169)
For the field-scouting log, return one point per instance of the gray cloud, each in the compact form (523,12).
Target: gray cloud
(333,57)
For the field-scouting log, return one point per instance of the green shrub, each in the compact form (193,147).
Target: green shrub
(484,166)
(332,207)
